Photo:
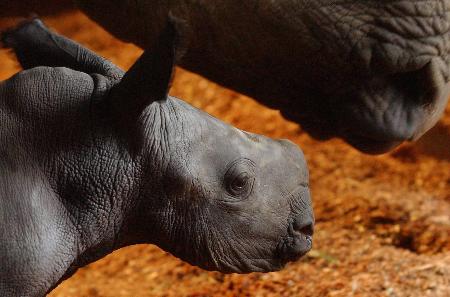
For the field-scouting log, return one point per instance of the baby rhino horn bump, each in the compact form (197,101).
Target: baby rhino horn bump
(149,79)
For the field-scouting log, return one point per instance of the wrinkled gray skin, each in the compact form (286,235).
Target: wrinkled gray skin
(91,162)
(373,72)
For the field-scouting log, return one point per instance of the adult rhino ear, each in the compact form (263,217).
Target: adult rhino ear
(149,79)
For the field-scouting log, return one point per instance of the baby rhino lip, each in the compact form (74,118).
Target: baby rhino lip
(298,240)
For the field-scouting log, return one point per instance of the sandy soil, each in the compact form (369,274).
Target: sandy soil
(383,223)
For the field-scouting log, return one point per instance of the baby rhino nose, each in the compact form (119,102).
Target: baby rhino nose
(298,240)
(303,226)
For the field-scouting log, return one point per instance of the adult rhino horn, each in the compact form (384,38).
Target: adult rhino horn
(149,79)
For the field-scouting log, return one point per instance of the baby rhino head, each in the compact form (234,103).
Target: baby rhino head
(228,200)
(213,195)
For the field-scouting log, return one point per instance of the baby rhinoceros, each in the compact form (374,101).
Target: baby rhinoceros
(93,159)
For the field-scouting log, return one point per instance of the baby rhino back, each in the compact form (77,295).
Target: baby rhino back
(44,92)
(40,98)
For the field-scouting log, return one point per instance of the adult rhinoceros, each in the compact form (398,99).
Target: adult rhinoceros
(373,72)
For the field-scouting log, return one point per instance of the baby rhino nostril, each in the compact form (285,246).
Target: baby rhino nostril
(307,230)
(304,227)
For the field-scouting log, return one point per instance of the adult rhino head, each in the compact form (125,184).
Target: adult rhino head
(372,72)
(92,159)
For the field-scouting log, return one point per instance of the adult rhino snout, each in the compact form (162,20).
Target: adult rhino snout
(390,109)
(424,93)
(433,97)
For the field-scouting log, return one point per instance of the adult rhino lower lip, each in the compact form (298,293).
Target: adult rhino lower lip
(298,56)
(411,105)
(382,110)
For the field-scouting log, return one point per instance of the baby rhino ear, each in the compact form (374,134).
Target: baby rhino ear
(149,79)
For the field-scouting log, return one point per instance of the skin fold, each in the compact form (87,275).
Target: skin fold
(375,73)
(93,159)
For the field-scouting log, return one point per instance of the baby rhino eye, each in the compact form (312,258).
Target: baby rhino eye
(239,178)
(240,182)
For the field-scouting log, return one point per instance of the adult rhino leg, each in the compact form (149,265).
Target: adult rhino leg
(35,45)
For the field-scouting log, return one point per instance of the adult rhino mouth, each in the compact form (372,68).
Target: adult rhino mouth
(369,145)
(376,113)
(386,110)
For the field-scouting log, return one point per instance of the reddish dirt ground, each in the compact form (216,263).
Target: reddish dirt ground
(383,223)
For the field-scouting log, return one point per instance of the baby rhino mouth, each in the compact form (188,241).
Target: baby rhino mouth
(296,243)
(260,256)
(298,240)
